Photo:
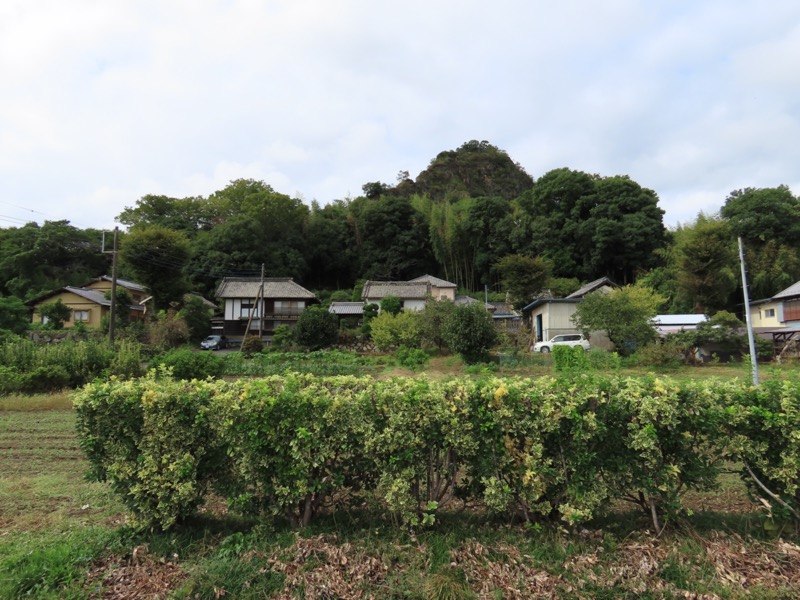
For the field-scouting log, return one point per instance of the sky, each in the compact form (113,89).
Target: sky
(103,102)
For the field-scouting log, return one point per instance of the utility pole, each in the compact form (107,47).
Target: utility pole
(261,306)
(750,337)
(113,317)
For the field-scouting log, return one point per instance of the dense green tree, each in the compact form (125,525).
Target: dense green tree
(552,217)
(316,328)
(432,319)
(122,311)
(330,253)
(187,215)
(448,230)
(197,316)
(55,313)
(707,264)
(763,215)
(258,226)
(488,231)
(523,276)
(475,169)
(393,240)
(14,315)
(561,287)
(625,314)
(37,259)
(155,257)
(627,227)
(390,331)
(771,267)
(590,226)
(391,304)
(469,331)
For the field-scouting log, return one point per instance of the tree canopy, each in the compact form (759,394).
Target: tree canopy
(625,314)
(469,217)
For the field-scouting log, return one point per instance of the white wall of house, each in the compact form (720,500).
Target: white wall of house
(415,305)
(556,318)
(239,308)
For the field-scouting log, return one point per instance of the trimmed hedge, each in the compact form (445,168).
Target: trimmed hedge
(543,450)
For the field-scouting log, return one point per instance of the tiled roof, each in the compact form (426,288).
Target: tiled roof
(790,292)
(434,281)
(346,308)
(91,295)
(274,287)
(592,286)
(405,290)
(468,300)
(503,309)
(465,300)
(130,285)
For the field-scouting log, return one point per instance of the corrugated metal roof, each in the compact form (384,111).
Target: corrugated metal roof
(791,291)
(274,287)
(435,281)
(405,290)
(346,308)
(678,320)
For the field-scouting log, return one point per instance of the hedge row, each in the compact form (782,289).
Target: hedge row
(539,449)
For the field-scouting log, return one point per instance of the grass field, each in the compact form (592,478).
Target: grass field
(64,537)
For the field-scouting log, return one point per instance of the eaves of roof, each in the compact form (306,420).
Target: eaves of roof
(540,301)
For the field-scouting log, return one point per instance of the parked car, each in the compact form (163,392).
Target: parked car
(566,339)
(214,342)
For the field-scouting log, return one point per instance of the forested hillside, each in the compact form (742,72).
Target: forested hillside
(473,216)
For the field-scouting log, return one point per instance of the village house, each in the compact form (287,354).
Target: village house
(256,307)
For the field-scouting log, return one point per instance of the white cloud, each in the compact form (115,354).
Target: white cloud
(105,102)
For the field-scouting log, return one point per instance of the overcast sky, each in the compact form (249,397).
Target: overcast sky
(104,101)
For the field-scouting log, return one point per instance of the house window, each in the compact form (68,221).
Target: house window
(245,309)
(769,312)
(288,308)
(80,316)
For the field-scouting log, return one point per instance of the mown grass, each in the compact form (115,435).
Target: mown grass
(64,537)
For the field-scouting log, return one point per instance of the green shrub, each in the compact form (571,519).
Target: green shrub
(469,331)
(282,339)
(294,441)
(391,331)
(39,380)
(127,362)
(316,328)
(151,439)
(420,442)
(558,450)
(392,305)
(602,360)
(189,364)
(667,353)
(762,426)
(411,358)
(569,359)
(73,363)
(251,345)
